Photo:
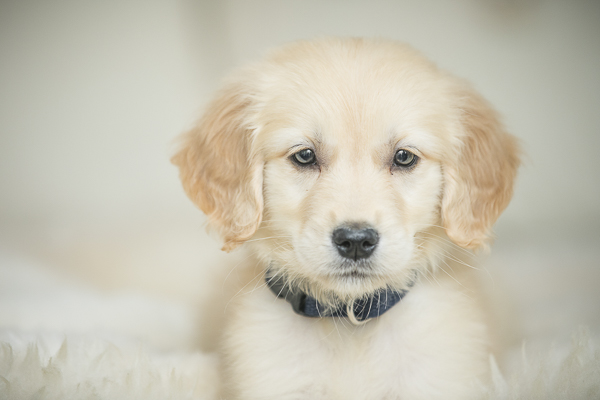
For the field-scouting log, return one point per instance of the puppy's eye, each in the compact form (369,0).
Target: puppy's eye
(404,158)
(304,157)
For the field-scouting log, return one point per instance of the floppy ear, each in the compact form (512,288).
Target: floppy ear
(479,181)
(219,170)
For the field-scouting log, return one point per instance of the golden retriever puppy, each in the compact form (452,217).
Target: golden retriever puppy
(356,173)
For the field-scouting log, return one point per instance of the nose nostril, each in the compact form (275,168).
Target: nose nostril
(355,243)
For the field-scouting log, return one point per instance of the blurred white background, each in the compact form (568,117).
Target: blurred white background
(92,95)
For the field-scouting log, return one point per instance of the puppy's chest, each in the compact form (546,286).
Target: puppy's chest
(360,363)
(418,349)
(404,354)
(332,359)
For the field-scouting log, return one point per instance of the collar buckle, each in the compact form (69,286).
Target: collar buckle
(352,316)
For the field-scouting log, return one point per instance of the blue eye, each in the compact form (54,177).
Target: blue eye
(404,158)
(304,157)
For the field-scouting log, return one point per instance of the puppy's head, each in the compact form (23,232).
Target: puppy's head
(348,163)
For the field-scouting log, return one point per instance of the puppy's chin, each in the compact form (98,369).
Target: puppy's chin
(351,286)
(348,282)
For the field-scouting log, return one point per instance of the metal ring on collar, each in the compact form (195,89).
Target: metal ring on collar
(352,316)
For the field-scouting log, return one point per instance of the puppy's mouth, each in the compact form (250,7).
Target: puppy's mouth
(354,274)
(354,269)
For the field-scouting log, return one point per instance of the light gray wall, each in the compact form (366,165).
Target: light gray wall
(92,93)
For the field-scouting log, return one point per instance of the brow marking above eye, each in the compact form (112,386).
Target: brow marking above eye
(296,148)
(402,140)
(313,143)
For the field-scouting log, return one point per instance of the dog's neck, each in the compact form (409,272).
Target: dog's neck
(358,312)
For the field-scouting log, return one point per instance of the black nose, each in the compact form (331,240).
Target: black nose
(355,243)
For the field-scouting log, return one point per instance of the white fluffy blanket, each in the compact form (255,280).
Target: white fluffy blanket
(62,340)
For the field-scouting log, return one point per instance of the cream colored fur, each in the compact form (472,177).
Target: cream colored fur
(353,102)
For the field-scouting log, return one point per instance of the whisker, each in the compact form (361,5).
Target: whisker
(257,276)
(456,259)
(454,279)
(444,240)
(336,327)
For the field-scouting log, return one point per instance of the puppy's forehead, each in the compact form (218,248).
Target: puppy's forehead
(354,95)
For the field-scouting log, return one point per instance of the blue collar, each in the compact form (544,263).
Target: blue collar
(358,312)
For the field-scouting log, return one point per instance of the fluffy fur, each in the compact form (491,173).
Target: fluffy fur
(354,103)
(39,359)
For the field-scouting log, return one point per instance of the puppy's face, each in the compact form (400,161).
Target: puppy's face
(343,209)
(350,179)
(347,162)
